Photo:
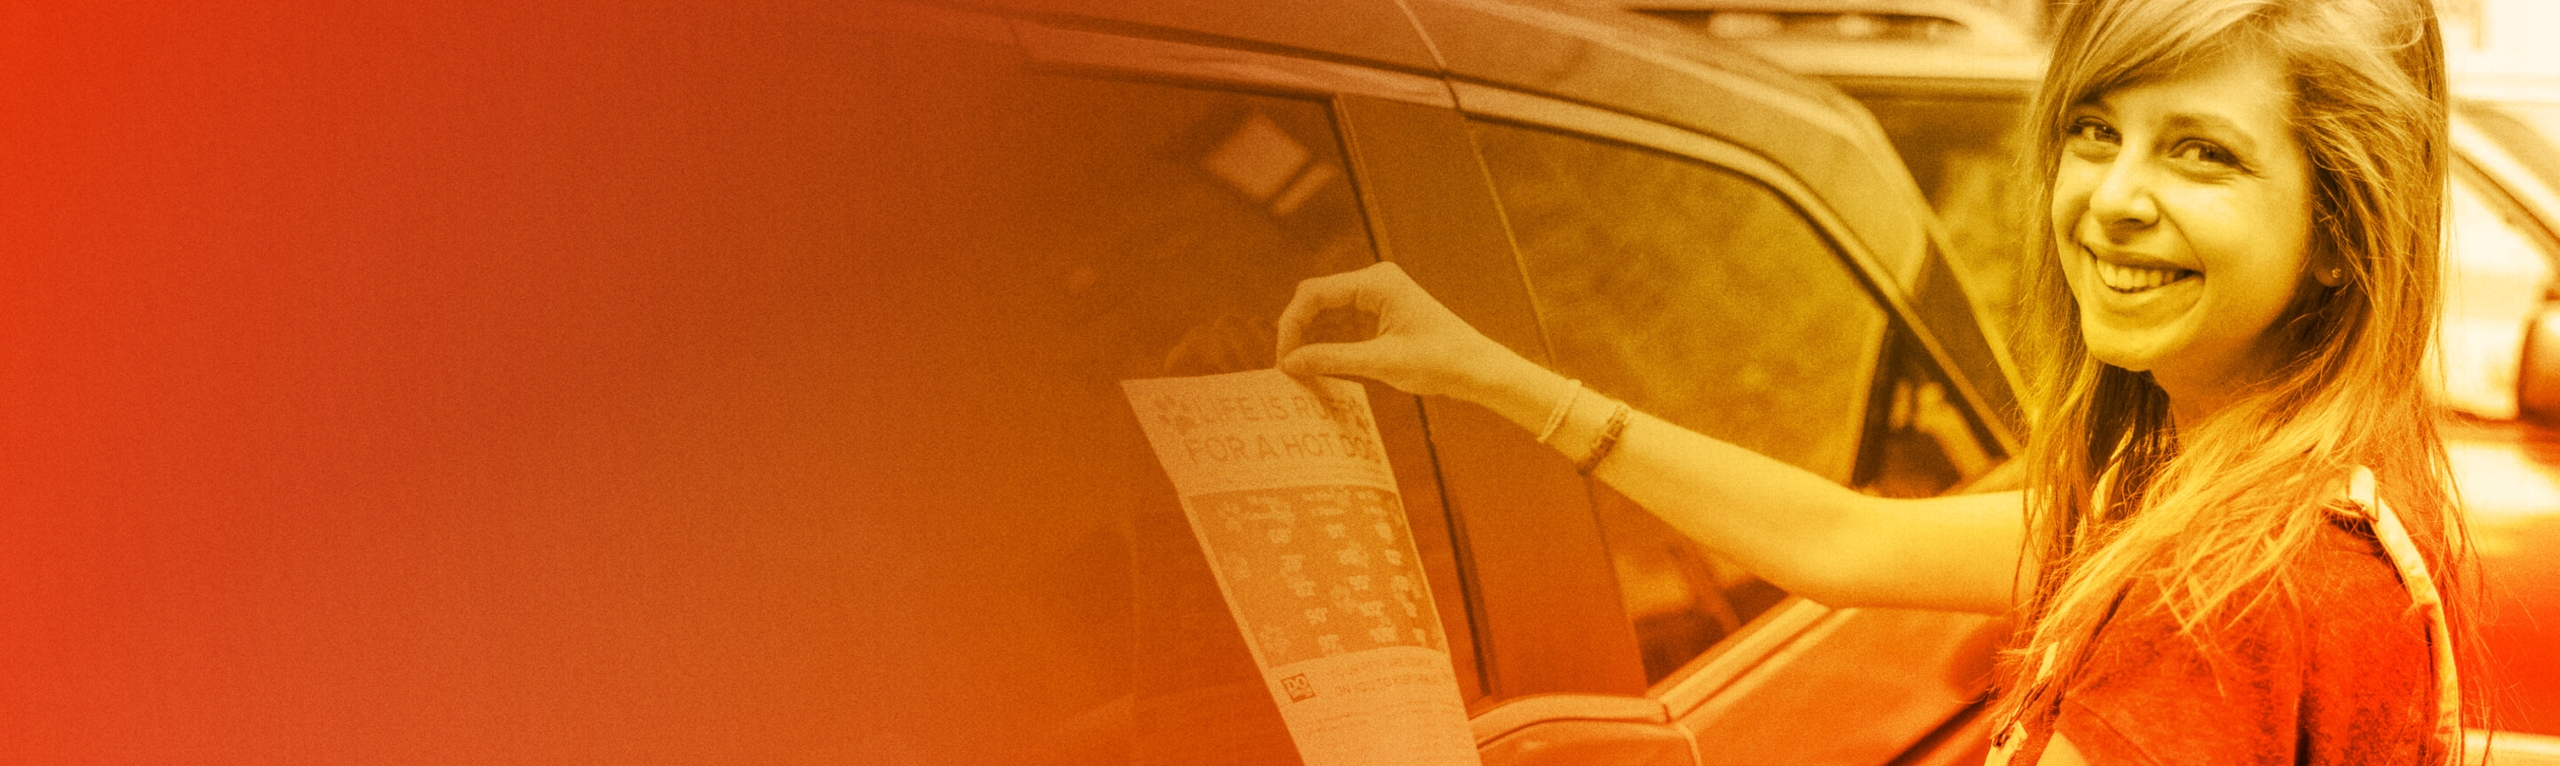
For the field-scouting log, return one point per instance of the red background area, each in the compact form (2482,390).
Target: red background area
(389,382)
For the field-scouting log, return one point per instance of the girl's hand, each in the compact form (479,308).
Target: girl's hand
(1420,347)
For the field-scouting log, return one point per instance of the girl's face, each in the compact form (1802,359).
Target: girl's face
(2181,211)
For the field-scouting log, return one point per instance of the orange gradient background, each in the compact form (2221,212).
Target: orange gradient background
(393,382)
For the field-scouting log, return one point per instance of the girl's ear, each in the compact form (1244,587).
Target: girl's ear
(2331,271)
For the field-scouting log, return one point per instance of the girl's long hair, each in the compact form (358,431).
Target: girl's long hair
(2210,512)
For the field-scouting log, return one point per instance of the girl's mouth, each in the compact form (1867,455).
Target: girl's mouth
(2135,279)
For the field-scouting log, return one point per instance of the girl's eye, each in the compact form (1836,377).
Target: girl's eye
(2201,151)
(2091,129)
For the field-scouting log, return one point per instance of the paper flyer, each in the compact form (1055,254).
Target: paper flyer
(1286,485)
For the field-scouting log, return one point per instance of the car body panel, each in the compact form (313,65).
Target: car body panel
(2510,481)
(1579,741)
(1913,671)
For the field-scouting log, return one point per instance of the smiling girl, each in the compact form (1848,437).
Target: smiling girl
(2237,543)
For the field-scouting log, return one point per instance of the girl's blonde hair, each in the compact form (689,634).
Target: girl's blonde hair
(2212,511)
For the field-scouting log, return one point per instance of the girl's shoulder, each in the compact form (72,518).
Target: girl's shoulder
(2340,577)
(2350,607)
(2367,664)
(2339,584)
(2328,659)
(2345,568)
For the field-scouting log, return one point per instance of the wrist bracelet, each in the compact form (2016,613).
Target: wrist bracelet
(1608,439)
(1573,388)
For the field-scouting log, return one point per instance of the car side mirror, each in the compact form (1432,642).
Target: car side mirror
(2538,373)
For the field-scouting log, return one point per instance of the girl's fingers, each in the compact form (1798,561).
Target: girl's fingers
(1302,309)
(1418,347)
(1365,289)
(1335,359)
(1313,297)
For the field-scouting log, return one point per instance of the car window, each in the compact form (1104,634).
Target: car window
(1919,441)
(2524,130)
(2497,269)
(1055,235)
(1969,159)
(1701,296)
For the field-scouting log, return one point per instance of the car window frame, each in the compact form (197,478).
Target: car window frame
(2497,180)
(1501,492)
(1500,104)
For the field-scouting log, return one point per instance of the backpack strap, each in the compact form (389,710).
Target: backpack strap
(2403,553)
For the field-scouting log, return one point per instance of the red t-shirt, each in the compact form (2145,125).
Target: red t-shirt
(2336,671)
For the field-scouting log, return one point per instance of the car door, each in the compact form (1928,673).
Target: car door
(1703,281)
(1684,280)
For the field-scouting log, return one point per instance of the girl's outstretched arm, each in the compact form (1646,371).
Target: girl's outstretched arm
(1796,529)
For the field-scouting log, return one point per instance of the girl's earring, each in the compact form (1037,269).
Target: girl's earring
(2335,276)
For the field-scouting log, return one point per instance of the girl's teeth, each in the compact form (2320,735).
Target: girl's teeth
(2129,279)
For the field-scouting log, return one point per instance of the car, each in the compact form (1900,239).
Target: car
(1957,128)
(1096,191)
(2505,251)
(2502,374)
(1851,37)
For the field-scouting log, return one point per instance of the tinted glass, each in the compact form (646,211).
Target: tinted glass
(1038,238)
(1919,441)
(1703,297)
(1969,158)
(2524,130)
(2496,271)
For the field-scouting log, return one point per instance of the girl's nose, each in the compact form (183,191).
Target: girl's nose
(2122,202)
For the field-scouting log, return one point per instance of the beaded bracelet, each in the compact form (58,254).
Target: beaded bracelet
(1608,439)
(1556,419)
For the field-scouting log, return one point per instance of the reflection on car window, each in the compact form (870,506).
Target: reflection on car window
(1082,232)
(1703,297)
